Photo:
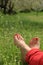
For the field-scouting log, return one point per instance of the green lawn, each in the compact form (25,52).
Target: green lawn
(29,25)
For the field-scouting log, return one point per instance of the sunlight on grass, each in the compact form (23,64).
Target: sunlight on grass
(28,25)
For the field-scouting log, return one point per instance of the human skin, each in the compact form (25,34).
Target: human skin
(33,56)
(19,42)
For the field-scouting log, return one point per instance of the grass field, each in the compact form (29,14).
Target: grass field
(29,25)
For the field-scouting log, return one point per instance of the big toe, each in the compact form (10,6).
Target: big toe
(34,41)
(18,36)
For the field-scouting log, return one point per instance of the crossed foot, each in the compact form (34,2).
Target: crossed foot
(19,42)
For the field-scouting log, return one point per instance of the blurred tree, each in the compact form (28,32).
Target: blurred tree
(9,6)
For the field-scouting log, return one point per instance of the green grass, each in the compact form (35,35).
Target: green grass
(29,25)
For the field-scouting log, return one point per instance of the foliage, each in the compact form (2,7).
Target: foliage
(13,6)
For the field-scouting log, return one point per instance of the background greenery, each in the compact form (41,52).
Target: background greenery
(29,25)
(15,6)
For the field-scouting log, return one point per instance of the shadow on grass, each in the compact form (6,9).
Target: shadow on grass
(26,24)
(1,62)
(23,63)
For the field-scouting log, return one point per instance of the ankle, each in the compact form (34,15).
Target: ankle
(26,48)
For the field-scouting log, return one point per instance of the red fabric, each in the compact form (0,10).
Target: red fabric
(34,57)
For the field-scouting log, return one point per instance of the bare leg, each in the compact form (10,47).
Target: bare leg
(19,42)
(34,43)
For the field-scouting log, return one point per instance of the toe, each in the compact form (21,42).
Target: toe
(18,36)
(34,41)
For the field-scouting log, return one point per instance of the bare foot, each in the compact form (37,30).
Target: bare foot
(35,43)
(19,42)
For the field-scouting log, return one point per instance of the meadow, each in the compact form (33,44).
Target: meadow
(29,25)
